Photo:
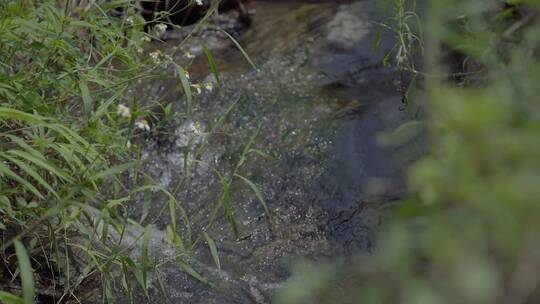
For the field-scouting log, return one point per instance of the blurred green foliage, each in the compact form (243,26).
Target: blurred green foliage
(469,231)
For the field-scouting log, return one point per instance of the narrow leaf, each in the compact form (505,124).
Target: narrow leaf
(213,249)
(87,99)
(7,298)
(113,170)
(9,113)
(257,192)
(27,279)
(145,256)
(4,170)
(181,73)
(189,270)
(241,50)
(211,63)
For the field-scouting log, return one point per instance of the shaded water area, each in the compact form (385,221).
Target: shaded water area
(319,99)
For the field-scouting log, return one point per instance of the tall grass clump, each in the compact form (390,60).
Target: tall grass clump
(70,165)
(469,231)
(65,131)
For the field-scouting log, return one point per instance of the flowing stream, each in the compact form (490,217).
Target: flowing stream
(320,99)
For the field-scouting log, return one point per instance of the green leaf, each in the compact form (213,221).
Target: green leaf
(43,163)
(189,270)
(213,249)
(25,268)
(8,298)
(87,99)
(113,170)
(147,199)
(30,171)
(145,256)
(4,170)
(211,63)
(257,192)
(9,113)
(241,49)
(181,73)
(102,109)
(172,237)
(377,40)
(136,272)
(226,201)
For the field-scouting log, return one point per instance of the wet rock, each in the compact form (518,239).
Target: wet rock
(187,12)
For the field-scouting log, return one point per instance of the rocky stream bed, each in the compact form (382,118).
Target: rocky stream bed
(319,98)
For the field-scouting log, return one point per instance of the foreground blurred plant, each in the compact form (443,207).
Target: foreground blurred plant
(469,233)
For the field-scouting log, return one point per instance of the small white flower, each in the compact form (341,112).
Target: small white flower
(196,128)
(128,144)
(145,39)
(168,57)
(142,125)
(139,50)
(156,56)
(209,86)
(161,27)
(129,21)
(123,111)
(188,55)
(199,2)
(186,73)
(197,88)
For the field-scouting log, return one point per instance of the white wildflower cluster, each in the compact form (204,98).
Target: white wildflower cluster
(142,125)
(208,86)
(161,28)
(129,21)
(123,111)
(188,55)
(197,88)
(156,56)
(196,128)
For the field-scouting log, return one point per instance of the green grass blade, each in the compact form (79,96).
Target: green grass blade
(226,201)
(27,279)
(145,256)
(102,109)
(4,170)
(189,270)
(257,192)
(21,143)
(244,53)
(113,171)
(30,171)
(9,113)
(213,249)
(8,298)
(181,74)
(43,163)
(211,63)
(87,99)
